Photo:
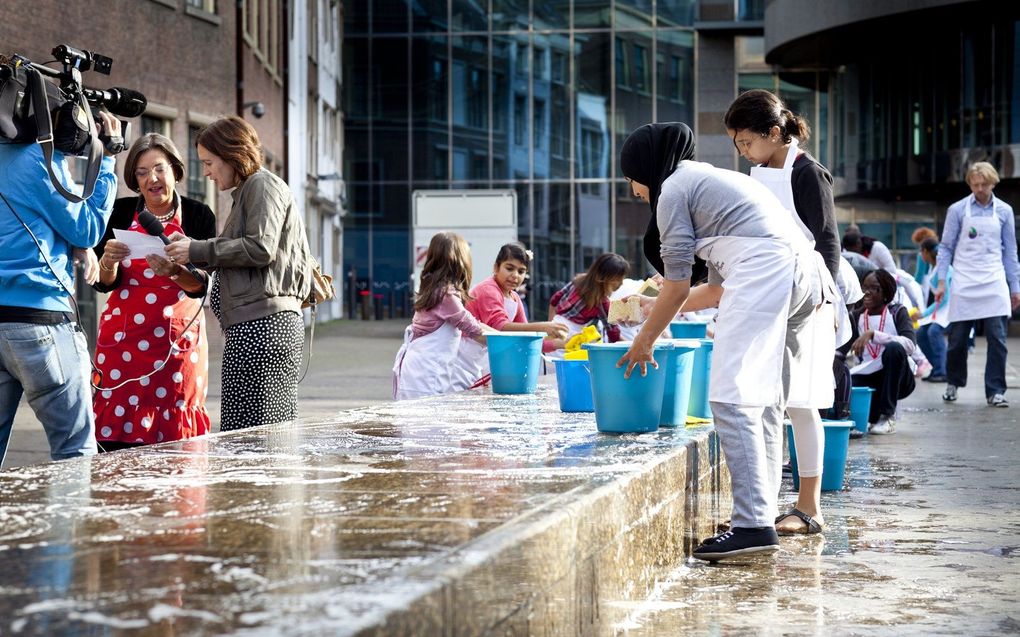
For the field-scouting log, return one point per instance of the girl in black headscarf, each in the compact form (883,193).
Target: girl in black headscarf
(649,156)
(757,259)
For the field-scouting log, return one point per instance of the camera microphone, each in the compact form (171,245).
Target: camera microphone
(151,225)
(119,101)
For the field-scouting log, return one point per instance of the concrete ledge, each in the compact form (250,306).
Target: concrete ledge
(470,514)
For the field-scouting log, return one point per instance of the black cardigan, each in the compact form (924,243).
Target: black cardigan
(812,195)
(197,221)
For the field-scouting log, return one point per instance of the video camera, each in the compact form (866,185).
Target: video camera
(61,114)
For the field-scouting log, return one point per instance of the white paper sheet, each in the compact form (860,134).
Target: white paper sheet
(141,245)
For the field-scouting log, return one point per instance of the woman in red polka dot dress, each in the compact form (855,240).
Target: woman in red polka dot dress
(153,366)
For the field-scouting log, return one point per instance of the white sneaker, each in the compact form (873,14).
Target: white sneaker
(998,400)
(950,394)
(885,425)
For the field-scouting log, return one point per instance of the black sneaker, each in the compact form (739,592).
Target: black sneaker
(738,541)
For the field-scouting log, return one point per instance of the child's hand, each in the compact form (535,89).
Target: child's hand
(553,329)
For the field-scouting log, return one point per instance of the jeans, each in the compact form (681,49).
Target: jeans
(892,383)
(50,364)
(995,363)
(932,340)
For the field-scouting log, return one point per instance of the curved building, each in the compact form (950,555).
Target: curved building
(916,91)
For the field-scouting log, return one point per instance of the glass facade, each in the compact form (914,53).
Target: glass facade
(526,95)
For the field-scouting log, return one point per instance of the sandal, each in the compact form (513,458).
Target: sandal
(812,527)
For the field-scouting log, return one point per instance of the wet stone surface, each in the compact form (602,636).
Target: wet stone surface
(331,526)
(924,540)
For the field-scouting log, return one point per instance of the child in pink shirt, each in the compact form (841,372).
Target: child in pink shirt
(497,304)
(425,360)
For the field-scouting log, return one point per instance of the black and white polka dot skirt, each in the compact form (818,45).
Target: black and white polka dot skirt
(261,367)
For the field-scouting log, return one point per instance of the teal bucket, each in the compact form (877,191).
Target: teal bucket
(630,405)
(676,395)
(688,329)
(837,443)
(514,361)
(860,407)
(698,405)
(573,383)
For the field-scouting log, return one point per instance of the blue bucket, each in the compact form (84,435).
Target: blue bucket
(860,407)
(573,383)
(837,442)
(676,396)
(698,405)
(630,405)
(688,329)
(515,360)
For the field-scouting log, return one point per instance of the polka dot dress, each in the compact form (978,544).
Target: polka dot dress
(261,365)
(153,366)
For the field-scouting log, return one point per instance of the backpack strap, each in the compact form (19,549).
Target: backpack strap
(40,104)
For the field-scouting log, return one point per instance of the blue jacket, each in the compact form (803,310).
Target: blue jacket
(58,224)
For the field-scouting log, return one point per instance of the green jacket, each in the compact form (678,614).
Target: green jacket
(262,253)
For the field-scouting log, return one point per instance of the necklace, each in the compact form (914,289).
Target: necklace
(873,348)
(162,218)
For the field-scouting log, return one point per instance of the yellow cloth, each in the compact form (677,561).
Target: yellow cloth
(694,421)
(590,334)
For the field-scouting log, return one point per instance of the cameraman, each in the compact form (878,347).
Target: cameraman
(43,352)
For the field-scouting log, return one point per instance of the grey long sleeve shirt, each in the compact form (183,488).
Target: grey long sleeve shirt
(700,201)
(951,234)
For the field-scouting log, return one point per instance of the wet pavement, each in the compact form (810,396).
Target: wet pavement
(924,540)
(484,515)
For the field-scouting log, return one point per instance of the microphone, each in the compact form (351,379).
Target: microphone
(152,226)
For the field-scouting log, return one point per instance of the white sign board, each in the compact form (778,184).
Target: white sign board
(487,219)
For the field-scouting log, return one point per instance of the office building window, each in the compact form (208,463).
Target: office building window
(520,120)
(198,185)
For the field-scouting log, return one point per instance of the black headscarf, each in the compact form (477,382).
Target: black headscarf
(649,156)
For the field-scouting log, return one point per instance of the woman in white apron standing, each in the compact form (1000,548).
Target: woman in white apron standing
(423,363)
(979,240)
(759,274)
(768,135)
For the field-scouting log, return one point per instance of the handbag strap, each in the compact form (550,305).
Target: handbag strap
(44,132)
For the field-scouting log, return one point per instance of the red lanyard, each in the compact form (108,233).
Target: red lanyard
(874,349)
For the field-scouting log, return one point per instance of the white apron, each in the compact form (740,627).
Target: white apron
(870,364)
(422,365)
(811,380)
(750,329)
(979,278)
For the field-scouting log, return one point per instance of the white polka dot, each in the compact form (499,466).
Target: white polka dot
(116,310)
(125,293)
(160,392)
(159,436)
(128,427)
(168,311)
(148,273)
(180,404)
(119,336)
(107,393)
(133,400)
(107,317)
(139,439)
(139,318)
(101,358)
(178,377)
(106,431)
(166,414)
(144,381)
(132,281)
(159,332)
(126,356)
(157,365)
(146,422)
(126,263)
(118,411)
(143,345)
(114,374)
(181,295)
(194,357)
(150,298)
